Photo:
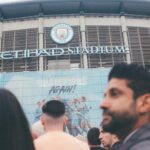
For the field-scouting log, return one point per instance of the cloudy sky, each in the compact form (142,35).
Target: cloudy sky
(9,1)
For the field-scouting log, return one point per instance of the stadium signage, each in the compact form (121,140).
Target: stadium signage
(62,33)
(63,51)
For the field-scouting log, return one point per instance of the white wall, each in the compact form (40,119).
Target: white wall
(73,21)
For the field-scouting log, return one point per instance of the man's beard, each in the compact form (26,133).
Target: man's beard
(120,124)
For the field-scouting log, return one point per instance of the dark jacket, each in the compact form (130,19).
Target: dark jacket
(96,148)
(140,140)
(116,146)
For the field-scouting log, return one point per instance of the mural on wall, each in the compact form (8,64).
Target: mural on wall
(80,90)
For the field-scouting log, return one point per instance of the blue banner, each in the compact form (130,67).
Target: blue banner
(81,91)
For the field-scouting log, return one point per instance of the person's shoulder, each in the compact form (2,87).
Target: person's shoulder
(39,141)
(63,138)
(116,146)
(38,128)
(45,141)
(139,140)
(42,138)
(141,145)
(76,142)
(97,148)
(72,138)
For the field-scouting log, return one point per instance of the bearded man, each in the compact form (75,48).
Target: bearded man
(126,106)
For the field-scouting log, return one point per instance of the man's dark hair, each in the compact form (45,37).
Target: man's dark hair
(138,77)
(54,108)
(93,136)
(14,129)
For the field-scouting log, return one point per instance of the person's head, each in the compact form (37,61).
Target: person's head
(83,99)
(126,104)
(53,115)
(14,130)
(93,137)
(37,129)
(107,139)
(38,103)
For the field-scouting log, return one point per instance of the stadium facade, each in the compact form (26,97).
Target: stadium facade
(27,25)
(74,36)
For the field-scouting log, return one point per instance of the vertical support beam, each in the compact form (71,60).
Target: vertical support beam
(125,38)
(83,36)
(1,31)
(41,42)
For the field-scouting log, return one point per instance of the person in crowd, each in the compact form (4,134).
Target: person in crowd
(14,130)
(54,138)
(126,106)
(37,129)
(38,111)
(93,139)
(109,141)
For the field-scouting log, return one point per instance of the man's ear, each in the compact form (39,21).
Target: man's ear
(65,120)
(42,120)
(144,103)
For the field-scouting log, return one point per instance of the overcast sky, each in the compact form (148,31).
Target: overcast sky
(9,1)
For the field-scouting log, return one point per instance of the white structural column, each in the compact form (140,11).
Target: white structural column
(125,38)
(41,42)
(83,36)
(1,30)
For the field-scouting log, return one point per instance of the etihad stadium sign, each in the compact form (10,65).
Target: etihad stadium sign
(63,51)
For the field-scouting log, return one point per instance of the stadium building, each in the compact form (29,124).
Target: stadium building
(64,40)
